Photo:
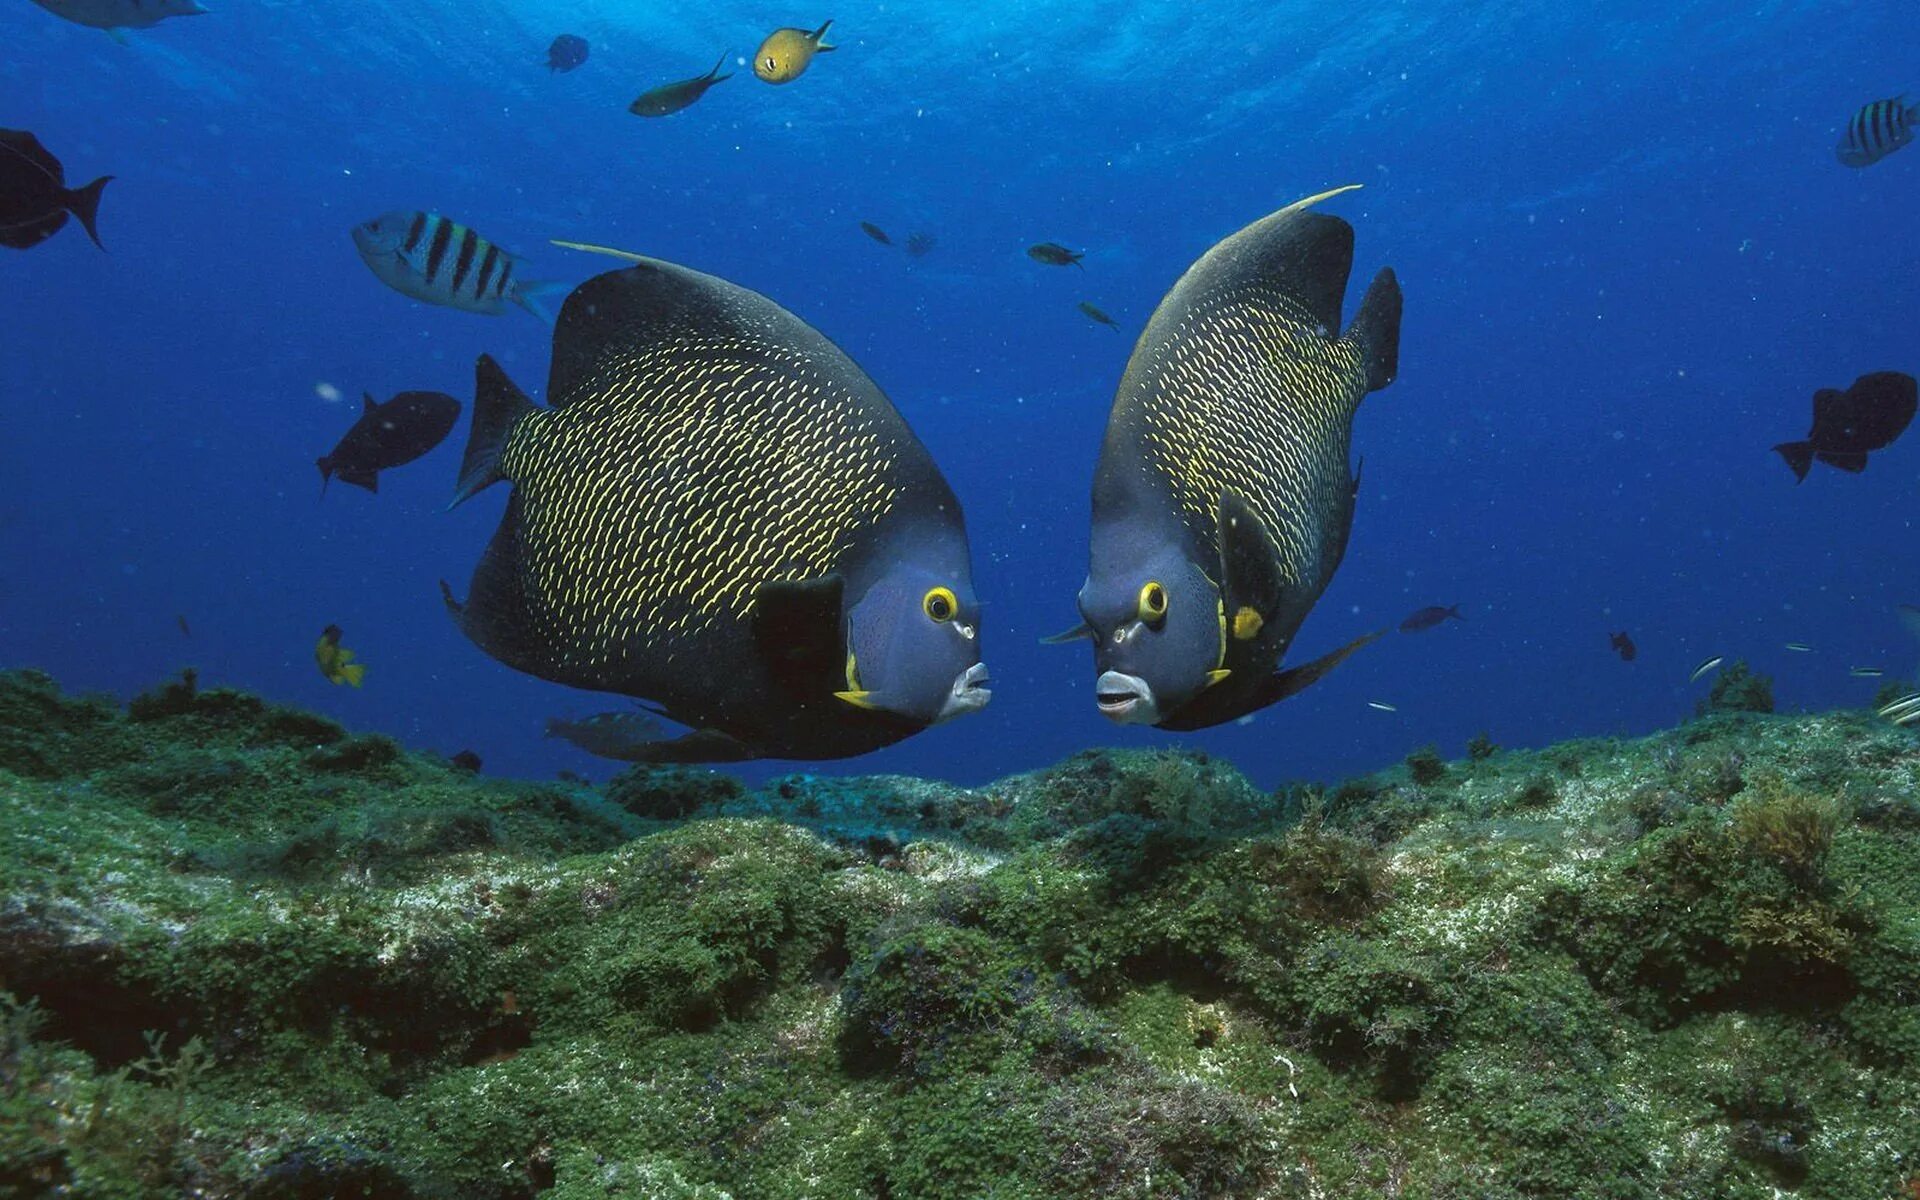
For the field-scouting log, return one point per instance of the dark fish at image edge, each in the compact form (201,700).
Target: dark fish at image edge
(34,198)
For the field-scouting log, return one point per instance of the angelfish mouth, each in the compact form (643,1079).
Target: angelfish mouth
(969,694)
(1125,699)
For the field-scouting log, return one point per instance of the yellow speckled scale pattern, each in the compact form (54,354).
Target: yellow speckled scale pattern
(1250,394)
(675,480)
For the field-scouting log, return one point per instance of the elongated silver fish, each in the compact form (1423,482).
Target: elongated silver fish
(430,258)
(721,515)
(1224,494)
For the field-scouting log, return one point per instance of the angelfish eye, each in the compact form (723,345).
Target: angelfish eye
(1153,602)
(940,604)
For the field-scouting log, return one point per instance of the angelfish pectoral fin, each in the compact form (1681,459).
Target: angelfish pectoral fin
(800,630)
(1249,566)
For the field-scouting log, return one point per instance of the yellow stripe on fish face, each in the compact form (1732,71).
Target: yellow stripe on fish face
(1251,395)
(654,515)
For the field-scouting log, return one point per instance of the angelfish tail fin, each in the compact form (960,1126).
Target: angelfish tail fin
(85,204)
(354,673)
(1799,456)
(1377,329)
(498,405)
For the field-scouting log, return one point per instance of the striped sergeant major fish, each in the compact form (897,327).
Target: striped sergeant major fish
(430,258)
(1877,130)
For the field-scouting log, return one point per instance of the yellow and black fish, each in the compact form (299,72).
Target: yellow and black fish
(336,661)
(787,53)
(722,515)
(1224,494)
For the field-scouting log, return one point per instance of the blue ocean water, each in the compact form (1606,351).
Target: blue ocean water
(1628,252)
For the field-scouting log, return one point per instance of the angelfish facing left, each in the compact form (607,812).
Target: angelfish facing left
(722,515)
(1224,495)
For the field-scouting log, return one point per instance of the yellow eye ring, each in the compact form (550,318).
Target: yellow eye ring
(940,605)
(1153,601)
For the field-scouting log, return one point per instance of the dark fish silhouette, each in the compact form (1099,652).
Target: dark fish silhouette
(1623,646)
(1055,255)
(670,98)
(918,244)
(389,435)
(876,233)
(721,514)
(1849,425)
(567,52)
(622,736)
(1876,131)
(467,761)
(1429,617)
(34,198)
(1224,492)
(186,630)
(1095,314)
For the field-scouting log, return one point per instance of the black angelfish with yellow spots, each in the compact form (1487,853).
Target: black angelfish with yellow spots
(721,515)
(1224,493)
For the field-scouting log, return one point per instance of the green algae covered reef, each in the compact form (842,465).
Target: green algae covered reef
(246,954)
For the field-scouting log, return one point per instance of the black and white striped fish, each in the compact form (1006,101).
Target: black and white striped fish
(1876,131)
(428,257)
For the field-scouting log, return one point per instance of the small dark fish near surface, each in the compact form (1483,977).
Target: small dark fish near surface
(721,514)
(432,259)
(876,233)
(1623,646)
(1225,490)
(918,244)
(185,629)
(1094,314)
(34,198)
(567,52)
(670,98)
(1055,255)
(1876,131)
(389,435)
(1849,425)
(622,736)
(1429,617)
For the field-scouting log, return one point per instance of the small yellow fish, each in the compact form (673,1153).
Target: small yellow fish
(787,53)
(336,661)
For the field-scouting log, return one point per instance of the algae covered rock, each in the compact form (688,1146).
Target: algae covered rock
(246,953)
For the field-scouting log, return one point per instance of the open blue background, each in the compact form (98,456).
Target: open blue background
(1628,252)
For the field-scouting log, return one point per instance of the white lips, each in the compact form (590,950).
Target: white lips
(969,694)
(1125,699)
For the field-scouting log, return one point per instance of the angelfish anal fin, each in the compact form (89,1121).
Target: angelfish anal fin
(800,631)
(1294,680)
(1249,565)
